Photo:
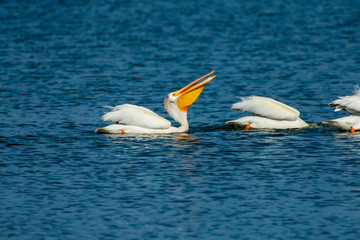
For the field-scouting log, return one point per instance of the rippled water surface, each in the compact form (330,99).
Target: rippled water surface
(62,61)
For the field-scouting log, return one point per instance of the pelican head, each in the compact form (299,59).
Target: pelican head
(177,103)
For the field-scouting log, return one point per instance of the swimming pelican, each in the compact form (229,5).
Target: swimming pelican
(267,113)
(351,105)
(136,119)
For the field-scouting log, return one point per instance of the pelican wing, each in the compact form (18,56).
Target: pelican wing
(349,104)
(134,115)
(267,107)
(345,123)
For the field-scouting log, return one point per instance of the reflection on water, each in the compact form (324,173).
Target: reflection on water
(178,139)
(348,141)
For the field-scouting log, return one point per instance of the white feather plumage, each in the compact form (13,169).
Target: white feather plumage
(268,123)
(345,123)
(267,107)
(134,115)
(267,113)
(351,105)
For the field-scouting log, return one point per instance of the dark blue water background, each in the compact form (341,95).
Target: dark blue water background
(62,61)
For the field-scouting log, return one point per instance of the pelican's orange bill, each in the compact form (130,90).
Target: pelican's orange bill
(187,87)
(189,93)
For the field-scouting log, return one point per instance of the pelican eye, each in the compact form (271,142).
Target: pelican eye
(174,94)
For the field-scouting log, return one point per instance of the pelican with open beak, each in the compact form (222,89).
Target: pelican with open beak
(130,118)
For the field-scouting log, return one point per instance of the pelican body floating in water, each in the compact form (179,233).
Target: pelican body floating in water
(136,119)
(351,105)
(267,113)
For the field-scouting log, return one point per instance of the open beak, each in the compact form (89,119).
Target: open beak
(188,94)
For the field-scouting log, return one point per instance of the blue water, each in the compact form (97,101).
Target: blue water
(62,61)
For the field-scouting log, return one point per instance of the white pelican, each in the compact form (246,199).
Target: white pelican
(135,119)
(267,113)
(351,105)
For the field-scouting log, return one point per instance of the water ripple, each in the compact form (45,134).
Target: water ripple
(62,62)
